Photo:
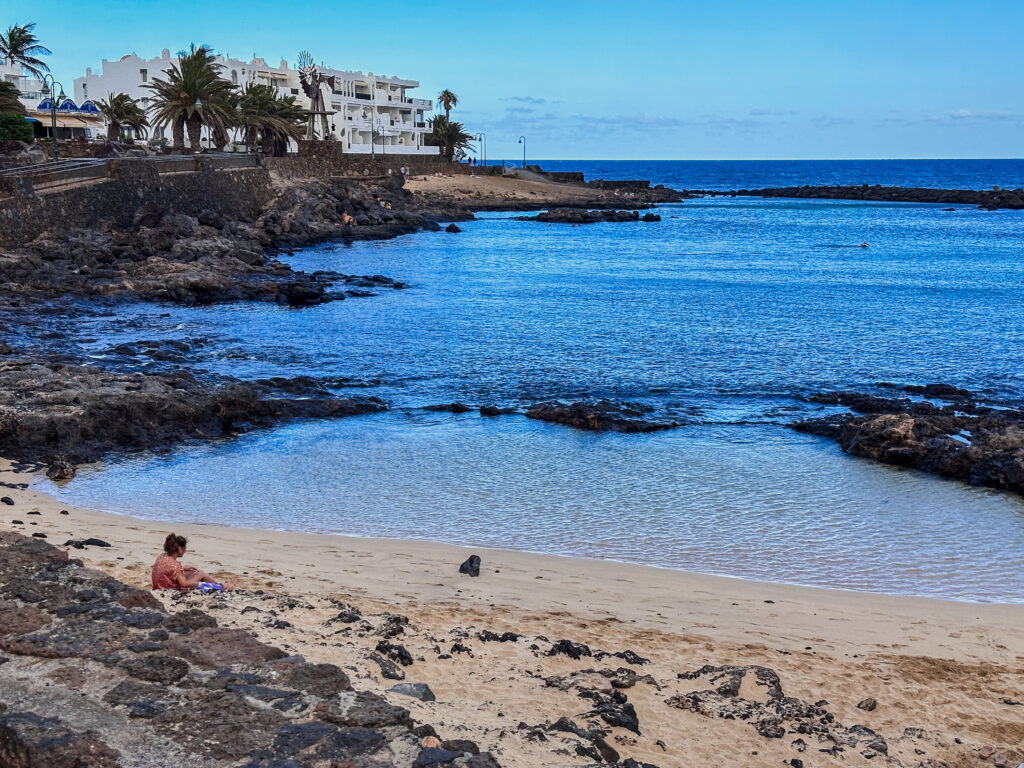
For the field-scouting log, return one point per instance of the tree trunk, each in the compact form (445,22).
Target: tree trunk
(251,138)
(114,131)
(220,138)
(178,133)
(194,124)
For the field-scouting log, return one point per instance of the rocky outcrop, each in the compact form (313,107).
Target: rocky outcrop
(98,674)
(584,216)
(990,199)
(207,258)
(66,414)
(962,440)
(600,416)
(754,694)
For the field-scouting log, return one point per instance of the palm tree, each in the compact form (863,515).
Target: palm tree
(262,114)
(448,100)
(20,46)
(9,101)
(122,109)
(288,122)
(450,136)
(193,95)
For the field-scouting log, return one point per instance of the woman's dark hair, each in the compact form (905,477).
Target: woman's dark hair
(173,543)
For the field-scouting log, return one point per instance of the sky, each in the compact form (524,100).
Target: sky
(641,79)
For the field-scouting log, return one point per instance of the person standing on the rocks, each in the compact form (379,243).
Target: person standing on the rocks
(168,573)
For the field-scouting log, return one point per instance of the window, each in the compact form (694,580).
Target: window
(234,77)
(85,90)
(144,75)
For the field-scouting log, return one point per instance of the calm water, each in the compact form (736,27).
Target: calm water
(724,315)
(756,174)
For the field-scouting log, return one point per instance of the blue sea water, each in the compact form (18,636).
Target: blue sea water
(724,315)
(758,174)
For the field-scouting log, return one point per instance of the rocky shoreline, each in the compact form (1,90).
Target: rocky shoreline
(63,414)
(988,199)
(957,437)
(167,256)
(99,674)
(583,216)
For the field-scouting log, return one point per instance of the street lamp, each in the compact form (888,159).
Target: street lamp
(482,138)
(522,140)
(47,90)
(383,144)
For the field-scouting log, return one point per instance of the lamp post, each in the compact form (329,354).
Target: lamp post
(522,140)
(383,144)
(373,132)
(482,138)
(47,90)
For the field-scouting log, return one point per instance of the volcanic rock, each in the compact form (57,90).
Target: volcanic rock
(471,567)
(600,416)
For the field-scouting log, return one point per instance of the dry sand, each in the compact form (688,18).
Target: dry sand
(482,192)
(954,670)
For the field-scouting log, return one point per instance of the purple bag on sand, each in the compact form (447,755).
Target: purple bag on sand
(206,587)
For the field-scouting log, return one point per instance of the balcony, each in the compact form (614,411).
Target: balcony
(422,103)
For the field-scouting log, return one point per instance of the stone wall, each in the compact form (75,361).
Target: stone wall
(624,185)
(314,165)
(238,193)
(566,177)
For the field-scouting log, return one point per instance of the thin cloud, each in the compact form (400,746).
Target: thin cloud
(526,99)
(983,115)
(772,113)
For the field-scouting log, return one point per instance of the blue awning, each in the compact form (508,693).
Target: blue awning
(31,119)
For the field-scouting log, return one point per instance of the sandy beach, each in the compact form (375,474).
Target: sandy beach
(947,678)
(486,192)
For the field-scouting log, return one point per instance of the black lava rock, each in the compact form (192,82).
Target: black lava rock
(471,567)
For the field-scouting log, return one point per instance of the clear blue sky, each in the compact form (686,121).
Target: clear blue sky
(647,79)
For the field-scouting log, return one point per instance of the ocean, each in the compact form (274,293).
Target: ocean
(726,315)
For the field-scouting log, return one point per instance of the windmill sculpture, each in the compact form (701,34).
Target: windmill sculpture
(311,79)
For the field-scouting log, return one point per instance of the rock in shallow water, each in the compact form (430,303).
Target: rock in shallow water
(967,441)
(61,470)
(600,416)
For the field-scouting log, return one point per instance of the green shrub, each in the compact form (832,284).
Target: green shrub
(14,127)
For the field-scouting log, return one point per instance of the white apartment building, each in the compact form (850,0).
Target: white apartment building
(29,87)
(363,106)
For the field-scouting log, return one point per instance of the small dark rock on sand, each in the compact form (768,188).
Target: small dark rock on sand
(419,691)
(81,544)
(388,669)
(471,567)
(7,500)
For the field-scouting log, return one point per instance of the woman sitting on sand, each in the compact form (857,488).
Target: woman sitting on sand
(168,573)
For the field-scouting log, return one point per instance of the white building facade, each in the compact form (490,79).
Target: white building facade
(365,108)
(70,120)
(28,86)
